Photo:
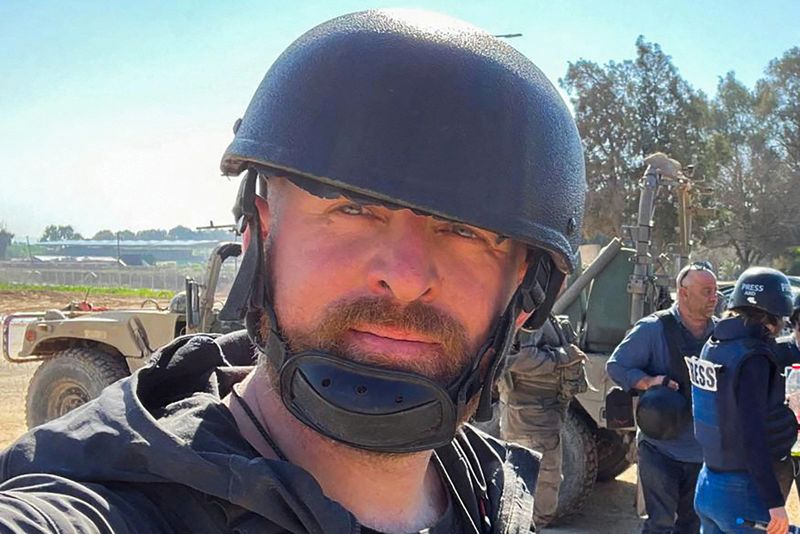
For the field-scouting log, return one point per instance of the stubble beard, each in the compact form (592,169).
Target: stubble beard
(446,364)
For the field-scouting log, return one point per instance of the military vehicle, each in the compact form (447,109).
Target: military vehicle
(626,281)
(83,350)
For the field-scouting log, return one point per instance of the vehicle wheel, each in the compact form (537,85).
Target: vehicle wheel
(70,378)
(579,464)
(612,455)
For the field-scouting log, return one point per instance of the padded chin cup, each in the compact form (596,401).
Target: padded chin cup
(367,407)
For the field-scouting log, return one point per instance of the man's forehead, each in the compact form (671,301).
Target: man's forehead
(700,277)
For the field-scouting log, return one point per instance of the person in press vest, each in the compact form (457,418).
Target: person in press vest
(740,416)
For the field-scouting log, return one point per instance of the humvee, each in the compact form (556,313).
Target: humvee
(83,350)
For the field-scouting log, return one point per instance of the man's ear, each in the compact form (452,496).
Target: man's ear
(263,215)
(682,293)
(262,208)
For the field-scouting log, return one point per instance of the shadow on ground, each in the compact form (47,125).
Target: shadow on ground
(610,509)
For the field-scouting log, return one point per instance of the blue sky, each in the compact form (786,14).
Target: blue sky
(115,114)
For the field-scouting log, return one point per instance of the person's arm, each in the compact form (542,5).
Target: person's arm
(537,355)
(628,361)
(39,503)
(751,405)
(535,361)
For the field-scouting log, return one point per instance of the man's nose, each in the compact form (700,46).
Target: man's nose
(404,266)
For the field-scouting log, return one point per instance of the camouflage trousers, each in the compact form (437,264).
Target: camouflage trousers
(535,421)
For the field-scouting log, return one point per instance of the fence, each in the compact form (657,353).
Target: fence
(171,278)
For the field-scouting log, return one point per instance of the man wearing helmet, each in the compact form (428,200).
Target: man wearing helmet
(650,360)
(740,416)
(395,165)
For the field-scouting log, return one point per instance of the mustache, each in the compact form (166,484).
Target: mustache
(445,363)
(416,317)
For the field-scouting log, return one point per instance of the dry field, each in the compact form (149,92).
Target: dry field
(609,510)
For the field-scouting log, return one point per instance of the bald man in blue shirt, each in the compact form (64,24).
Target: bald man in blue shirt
(668,468)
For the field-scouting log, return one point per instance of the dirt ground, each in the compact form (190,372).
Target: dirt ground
(22,301)
(610,508)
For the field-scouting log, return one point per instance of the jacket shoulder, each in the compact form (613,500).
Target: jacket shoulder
(49,503)
(508,471)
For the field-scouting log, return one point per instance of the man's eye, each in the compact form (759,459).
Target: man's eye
(463,231)
(352,209)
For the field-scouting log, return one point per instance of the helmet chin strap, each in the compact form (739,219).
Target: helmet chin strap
(363,405)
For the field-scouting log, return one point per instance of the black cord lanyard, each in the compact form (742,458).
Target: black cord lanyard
(263,431)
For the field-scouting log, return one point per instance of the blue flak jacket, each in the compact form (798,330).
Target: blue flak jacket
(715,376)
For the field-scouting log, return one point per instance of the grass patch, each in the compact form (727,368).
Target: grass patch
(98,291)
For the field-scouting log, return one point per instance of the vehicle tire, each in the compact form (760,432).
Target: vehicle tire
(579,463)
(70,378)
(612,455)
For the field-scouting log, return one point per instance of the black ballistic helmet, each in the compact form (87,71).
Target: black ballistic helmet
(427,112)
(663,413)
(765,289)
(414,110)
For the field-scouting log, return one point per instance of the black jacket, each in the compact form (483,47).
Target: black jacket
(159,452)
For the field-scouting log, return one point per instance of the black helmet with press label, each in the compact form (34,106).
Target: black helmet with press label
(764,289)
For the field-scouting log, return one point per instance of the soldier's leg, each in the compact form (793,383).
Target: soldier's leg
(536,423)
(545,500)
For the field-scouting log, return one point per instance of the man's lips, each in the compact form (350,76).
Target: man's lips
(396,334)
(389,341)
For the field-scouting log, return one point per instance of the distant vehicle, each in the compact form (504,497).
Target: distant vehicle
(84,349)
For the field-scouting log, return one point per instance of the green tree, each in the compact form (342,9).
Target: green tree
(54,232)
(753,182)
(104,235)
(181,233)
(154,234)
(780,102)
(126,235)
(626,111)
(604,117)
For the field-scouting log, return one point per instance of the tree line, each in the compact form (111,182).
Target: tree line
(54,232)
(744,143)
